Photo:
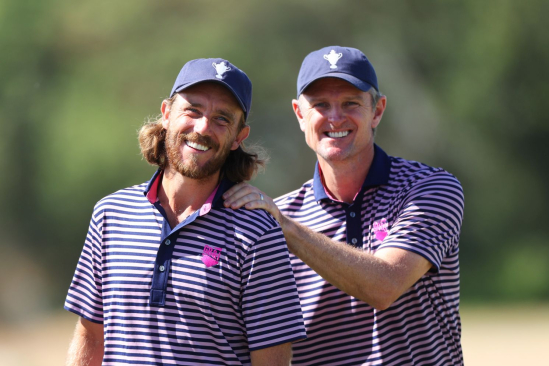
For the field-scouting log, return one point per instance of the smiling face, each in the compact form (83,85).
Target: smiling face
(203,125)
(337,119)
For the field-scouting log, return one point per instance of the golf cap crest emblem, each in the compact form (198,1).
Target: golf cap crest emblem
(220,68)
(381,229)
(332,58)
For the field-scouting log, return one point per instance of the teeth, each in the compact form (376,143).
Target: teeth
(196,146)
(338,134)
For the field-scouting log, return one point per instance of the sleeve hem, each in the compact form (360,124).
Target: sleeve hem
(291,340)
(74,311)
(409,249)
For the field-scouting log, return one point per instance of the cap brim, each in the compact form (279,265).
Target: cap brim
(185,86)
(362,85)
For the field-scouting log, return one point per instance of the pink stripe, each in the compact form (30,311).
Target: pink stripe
(152,196)
(207,206)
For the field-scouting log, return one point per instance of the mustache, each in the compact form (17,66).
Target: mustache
(199,139)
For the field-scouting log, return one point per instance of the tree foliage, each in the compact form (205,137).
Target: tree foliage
(466,83)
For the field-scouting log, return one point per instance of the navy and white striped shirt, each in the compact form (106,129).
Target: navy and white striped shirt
(402,204)
(209,291)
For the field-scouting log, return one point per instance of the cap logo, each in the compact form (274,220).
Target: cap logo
(332,58)
(220,68)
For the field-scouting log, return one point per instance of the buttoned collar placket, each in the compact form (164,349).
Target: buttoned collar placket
(169,235)
(378,175)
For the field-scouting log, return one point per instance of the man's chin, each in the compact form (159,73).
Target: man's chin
(197,167)
(334,155)
(198,172)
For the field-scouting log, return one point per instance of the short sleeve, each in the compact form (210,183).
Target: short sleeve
(84,297)
(270,302)
(429,220)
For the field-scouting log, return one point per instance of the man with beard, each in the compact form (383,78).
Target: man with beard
(167,274)
(374,238)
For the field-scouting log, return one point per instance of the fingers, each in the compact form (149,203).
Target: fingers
(242,194)
(249,201)
(251,198)
(236,191)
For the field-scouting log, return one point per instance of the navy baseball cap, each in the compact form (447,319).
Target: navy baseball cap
(220,71)
(344,63)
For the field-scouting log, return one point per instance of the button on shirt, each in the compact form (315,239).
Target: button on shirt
(402,204)
(208,291)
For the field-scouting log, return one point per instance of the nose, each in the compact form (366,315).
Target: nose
(336,116)
(202,125)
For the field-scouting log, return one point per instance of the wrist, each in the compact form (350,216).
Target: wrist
(281,220)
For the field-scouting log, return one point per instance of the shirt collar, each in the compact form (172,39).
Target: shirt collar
(214,201)
(377,175)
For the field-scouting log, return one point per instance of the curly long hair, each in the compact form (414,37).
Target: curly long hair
(241,164)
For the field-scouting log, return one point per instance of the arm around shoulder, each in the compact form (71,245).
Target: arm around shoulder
(376,281)
(86,347)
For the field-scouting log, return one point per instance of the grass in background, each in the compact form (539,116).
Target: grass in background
(492,335)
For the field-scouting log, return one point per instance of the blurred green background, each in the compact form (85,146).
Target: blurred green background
(466,83)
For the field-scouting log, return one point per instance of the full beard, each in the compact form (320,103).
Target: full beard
(189,167)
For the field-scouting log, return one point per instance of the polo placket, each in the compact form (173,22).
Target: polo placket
(377,175)
(169,236)
(164,257)
(353,222)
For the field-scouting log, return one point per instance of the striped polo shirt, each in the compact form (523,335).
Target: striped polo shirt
(206,292)
(402,204)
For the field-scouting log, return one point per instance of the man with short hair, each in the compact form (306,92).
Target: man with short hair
(374,238)
(168,276)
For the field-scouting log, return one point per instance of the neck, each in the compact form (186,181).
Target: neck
(181,196)
(343,179)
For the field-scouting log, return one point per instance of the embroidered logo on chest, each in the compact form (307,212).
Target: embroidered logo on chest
(381,228)
(210,256)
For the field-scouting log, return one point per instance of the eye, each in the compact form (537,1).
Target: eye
(223,120)
(350,104)
(192,111)
(321,105)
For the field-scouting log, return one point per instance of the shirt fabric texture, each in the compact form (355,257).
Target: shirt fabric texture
(402,204)
(208,291)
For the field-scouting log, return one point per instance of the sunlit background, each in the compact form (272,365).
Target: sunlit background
(467,87)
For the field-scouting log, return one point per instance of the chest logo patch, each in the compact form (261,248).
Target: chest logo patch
(210,256)
(381,228)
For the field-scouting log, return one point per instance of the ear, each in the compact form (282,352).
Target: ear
(298,114)
(378,113)
(165,109)
(242,135)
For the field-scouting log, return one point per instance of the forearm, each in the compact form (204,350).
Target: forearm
(86,348)
(357,273)
(377,279)
(272,356)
